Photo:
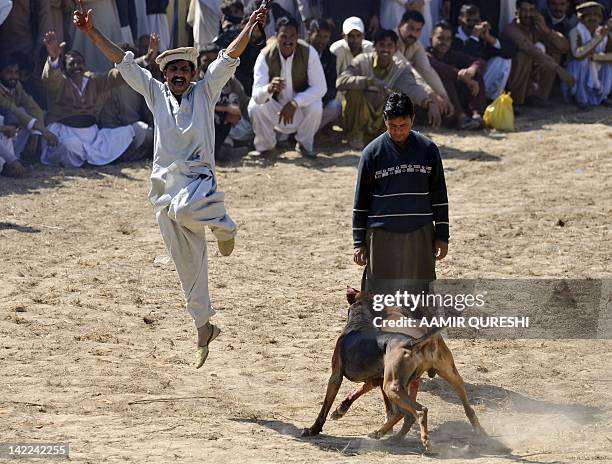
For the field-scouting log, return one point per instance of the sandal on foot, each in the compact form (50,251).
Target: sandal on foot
(202,352)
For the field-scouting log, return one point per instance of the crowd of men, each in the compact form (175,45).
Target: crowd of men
(325,62)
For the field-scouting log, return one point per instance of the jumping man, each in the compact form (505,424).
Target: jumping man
(183,183)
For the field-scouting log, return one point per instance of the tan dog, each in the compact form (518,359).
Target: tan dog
(392,360)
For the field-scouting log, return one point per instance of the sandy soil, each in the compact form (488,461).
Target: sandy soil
(96,348)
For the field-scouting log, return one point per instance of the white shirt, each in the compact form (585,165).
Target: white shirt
(184,133)
(316,80)
(343,53)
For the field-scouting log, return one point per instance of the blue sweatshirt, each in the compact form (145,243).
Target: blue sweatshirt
(400,189)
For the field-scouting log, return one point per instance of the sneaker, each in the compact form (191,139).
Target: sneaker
(302,151)
(226,246)
(468,123)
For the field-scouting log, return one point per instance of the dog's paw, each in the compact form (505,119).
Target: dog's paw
(309,432)
(376,434)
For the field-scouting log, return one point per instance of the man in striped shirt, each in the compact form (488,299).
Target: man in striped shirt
(400,213)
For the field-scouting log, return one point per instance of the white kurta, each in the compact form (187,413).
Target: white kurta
(264,110)
(148,24)
(183,183)
(204,17)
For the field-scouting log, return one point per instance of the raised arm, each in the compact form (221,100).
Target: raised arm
(239,44)
(84,21)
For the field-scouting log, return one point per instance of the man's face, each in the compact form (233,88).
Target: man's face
(320,39)
(75,66)
(592,18)
(354,39)
(441,40)
(526,13)
(558,8)
(9,76)
(385,49)
(399,128)
(410,31)
(468,21)
(287,38)
(205,61)
(178,75)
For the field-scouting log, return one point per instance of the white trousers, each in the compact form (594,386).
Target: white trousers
(88,144)
(264,118)
(183,227)
(496,76)
(331,112)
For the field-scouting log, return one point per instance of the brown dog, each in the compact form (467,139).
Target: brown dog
(393,360)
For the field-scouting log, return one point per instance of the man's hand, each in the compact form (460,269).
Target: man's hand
(277,85)
(360,256)
(15,169)
(440,250)
(54,48)
(8,131)
(444,106)
(82,19)
(602,31)
(50,137)
(258,16)
(233,115)
(540,24)
(466,77)
(287,113)
(377,84)
(433,115)
(153,47)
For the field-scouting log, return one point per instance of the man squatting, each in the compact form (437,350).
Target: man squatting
(183,183)
(400,212)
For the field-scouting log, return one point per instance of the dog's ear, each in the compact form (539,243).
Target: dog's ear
(351,295)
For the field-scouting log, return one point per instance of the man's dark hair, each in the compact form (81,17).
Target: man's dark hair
(319,24)
(383,34)
(9,60)
(228,5)
(442,25)
(412,15)
(287,21)
(398,105)
(469,9)
(531,2)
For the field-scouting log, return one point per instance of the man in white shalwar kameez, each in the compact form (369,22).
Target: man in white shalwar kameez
(184,186)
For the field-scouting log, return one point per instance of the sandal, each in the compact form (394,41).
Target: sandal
(202,352)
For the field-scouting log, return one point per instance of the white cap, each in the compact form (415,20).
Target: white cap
(351,24)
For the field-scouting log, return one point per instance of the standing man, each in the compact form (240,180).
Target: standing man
(400,212)
(184,186)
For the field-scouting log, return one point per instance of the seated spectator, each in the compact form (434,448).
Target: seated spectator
(493,12)
(351,44)
(10,165)
(124,106)
(475,38)
(534,68)
(75,98)
(288,86)
(591,63)
(411,50)
(319,36)
(558,16)
(232,100)
(339,10)
(232,14)
(462,78)
(30,81)
(143,47)
(20,111)
(367,83)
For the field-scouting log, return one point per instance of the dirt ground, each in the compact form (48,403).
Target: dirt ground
(97,350)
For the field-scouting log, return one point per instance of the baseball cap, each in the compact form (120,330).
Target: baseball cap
(351,24)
